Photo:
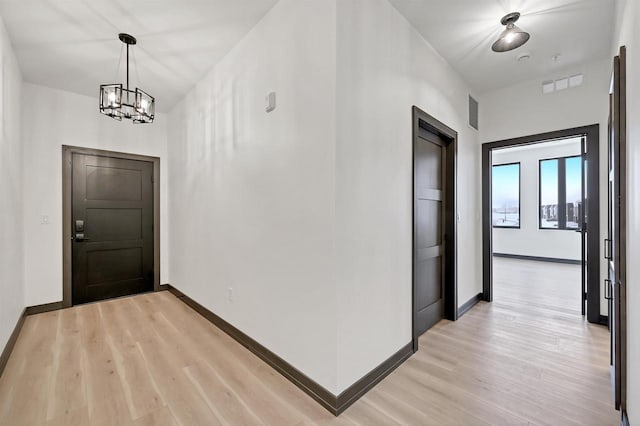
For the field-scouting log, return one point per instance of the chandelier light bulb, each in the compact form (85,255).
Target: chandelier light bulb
(512,37)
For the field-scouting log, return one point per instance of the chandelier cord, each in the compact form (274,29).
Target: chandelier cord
(119,62)
(135,66)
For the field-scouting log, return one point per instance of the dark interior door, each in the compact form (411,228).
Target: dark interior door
(112,227)
(615,244)
(429,196)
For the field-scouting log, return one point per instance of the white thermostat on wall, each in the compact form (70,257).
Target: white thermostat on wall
(271,101)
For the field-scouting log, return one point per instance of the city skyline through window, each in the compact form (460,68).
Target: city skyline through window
(506,195)
(561,193)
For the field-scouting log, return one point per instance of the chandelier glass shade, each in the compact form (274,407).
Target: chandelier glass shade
(118,101)
(512,37)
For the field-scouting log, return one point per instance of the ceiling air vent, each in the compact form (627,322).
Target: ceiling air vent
(563,83)
(473,113)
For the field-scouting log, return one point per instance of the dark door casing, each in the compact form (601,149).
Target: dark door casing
(615,244)
(112,227)
(591,210)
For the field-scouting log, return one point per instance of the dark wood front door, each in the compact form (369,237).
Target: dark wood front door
(615,244)
(112,227)
(429,196)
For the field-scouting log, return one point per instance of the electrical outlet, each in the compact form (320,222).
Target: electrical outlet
(44,219)
(230,294)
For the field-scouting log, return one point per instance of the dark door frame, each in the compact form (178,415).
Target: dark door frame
(617,236)
(424,122)
(67,153)
(592,133)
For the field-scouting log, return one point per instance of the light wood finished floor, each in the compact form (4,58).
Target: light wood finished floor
(151,360)
(552,286)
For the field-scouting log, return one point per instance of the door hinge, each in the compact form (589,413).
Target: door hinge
(584,296)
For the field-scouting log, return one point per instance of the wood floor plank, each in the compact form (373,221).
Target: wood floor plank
(220,397)
(140,391)
(68,388)
(161,417)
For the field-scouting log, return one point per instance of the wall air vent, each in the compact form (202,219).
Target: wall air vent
(563,83)
(473,113)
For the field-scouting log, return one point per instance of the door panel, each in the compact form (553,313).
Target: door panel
(429,222)
(114,224)
(111,183)
(112,227)
(429,160)
(429,270)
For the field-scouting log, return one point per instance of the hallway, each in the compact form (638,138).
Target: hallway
(150,359)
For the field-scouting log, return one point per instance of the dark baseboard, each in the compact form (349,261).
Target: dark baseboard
(317,392)
(8,348)
(375,376)
(538,258)
(39,309)
(625,419)
(469,304)
(604,320)
(164,287)
(29,310)
(334,404)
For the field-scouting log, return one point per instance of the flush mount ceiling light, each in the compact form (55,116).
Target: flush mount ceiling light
(120,102)
(511,38)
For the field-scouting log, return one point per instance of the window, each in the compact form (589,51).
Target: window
(561,193)
(505,191)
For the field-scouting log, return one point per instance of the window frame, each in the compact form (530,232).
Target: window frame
(519,195)
(562,192)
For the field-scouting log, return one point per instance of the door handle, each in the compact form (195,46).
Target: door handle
(81,237)
(607,289)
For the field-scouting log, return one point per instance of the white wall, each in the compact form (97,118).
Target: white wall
(11,190)
(530,240)
(298,218)
(253,192)
(628,33)
(384,68)
(522,110)
(52,118)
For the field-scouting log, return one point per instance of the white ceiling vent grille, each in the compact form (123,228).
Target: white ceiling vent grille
(562,83)
(473,113)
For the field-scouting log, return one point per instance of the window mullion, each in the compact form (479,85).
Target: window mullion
(562,194)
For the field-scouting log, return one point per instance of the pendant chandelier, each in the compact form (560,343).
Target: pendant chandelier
(120,102)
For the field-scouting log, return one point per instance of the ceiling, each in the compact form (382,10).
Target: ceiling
(73,44)
(462,31)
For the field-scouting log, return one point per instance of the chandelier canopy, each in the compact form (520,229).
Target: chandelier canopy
(118,101)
